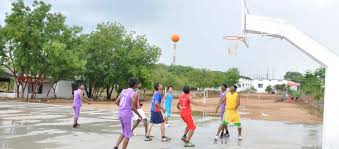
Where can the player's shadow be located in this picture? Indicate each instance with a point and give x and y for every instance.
(221, 141)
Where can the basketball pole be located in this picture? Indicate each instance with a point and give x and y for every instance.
(174, 52)
(203, 113)
(319, 53)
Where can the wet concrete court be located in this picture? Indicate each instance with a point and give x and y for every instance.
(38, 126)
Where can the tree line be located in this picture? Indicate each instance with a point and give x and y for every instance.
(37, 45)
(178, 76)
(312, 83)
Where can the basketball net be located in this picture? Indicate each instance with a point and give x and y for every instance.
(233, 44)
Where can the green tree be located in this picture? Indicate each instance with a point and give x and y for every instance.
(66, 58)
(114, 55)
(320, 73)
(269, 89)
(232, 76)
(312, 85)
(293, 76)
(280, 88)
(178, 76)
(29, 33)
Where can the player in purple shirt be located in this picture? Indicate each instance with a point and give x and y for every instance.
(221, 106)
(127, 102)
(77, 98)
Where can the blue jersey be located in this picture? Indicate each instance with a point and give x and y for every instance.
(156, 99)
(168, 101)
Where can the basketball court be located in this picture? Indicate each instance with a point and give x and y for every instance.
(38, 126)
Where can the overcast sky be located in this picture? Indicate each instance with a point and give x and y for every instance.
(203, 23)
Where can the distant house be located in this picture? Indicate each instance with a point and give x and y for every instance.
(63, 89)
(245, 84)
(260, 85)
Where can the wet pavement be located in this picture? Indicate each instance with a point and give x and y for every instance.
(42, 126)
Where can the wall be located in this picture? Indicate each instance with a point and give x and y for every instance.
(64, 89)
(244, 84)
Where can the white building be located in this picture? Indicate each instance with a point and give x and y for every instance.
(259, 85)
(244, 84)
(63, 89)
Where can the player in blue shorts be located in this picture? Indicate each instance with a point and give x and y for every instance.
(156, 115)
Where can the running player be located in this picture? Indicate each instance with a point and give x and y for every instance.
(127, 102)
(184, 105)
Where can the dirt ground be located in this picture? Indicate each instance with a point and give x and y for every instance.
(257, 107)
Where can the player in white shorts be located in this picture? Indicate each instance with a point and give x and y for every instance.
(141, 112)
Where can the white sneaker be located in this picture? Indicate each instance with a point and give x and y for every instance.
(239, 138)
(216, 138)
(134, 134)
(167, 125)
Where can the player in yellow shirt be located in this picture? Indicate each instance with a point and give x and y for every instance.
(231, 112)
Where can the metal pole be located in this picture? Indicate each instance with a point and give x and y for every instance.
(174, 52)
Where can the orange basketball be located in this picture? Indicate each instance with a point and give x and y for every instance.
(175, 37)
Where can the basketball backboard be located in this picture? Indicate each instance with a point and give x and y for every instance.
(244, 12)
(243, 34)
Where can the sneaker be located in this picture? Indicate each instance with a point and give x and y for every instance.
(216, 138)
(227, 135)
(189, 144)
(167, 125)
(148, 139)
(134, 134)
(239, 138)
(165, 139)
(74, 126)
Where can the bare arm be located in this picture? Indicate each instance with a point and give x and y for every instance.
(81, 95)
(178, 105)
(163, 100)
(135, 105)
(157, 104)
(194, 102)
(219, 103)
(117, 101)
(162, 108)
(82, 98)
(238, 103)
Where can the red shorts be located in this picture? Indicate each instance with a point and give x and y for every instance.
(188, 119)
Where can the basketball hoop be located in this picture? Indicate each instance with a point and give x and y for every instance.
(233, 44)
